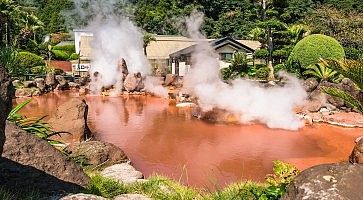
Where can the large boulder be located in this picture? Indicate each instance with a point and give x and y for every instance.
(6, 93)
(29, 84)
(124, 173)
(71, 117)
(62, 82)
(50, 79)
(133, 82)
(328, 181)
(27, 149)
(170, 79)
(130, 83)
(357, 154)
(40, 83)
(98, 153)
(310, 84)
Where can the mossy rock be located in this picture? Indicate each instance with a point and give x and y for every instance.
(310, 49)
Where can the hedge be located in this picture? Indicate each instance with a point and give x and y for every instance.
(61, 55)
(310, 49)
(68, 48)
(27, 60)
(262, 73)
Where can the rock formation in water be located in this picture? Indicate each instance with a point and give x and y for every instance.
(97, 153)
(6, 93)
(71, 117)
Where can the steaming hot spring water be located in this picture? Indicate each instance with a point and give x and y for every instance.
(163, 139)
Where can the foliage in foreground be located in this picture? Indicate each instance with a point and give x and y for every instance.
(35, 126)
(6, 194)
(159, 187)
(352, 69)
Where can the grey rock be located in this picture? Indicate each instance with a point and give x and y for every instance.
(24, 92)
(98, 153)
(16, 82)
(310, 84)
(73, 85)
(133, 82)
(6, 93)
(124, 173)
(40, 83)
(170, 79)
(132, 197)
(328, 181)
(50, 79)
(130, 83)
(29, 84)
(29, 150)
(82, 196)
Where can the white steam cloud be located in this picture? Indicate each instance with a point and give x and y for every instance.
(272, 106)
(115, 38)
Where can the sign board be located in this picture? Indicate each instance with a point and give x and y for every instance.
(81, 67)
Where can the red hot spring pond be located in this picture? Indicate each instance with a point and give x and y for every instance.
(160, 138)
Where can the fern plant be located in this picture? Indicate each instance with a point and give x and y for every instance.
(35, 126)
(352, 69)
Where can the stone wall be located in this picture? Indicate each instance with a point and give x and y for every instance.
(6, 90)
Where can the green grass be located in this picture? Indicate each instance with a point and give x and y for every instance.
(159, 187)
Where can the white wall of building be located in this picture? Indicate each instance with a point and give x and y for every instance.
(77, 37)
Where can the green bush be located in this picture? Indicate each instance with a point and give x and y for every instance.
(68, 48)
(40, 70)
(262, 73)
(74, 56)
(310, 49)
(60, 55)
(27, 60)
(261, 53)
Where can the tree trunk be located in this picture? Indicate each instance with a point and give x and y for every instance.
(271, 76)
(145, 52)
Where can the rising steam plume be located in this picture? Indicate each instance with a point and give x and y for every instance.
(115, 38)
(272, 106)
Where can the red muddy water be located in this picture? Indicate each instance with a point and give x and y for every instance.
(163, 139)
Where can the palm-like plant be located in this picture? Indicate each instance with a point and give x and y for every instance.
(14, 17)
(322, 72)
(34, 126)
(352, 69)
(238, 68)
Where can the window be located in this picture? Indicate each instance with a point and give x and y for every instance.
(226, 56)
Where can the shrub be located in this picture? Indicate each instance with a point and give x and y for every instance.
(27, 60)
(262, 73)
(261, 53)
(74, 56)
(39, 70)
(68, 48)
(8, 59)
(60, 55)
(310, 49)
